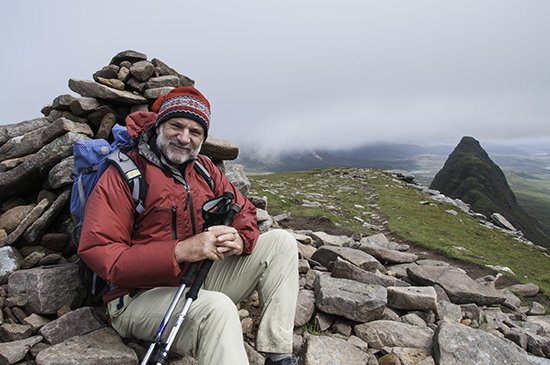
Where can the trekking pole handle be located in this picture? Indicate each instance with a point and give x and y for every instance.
(207, 264)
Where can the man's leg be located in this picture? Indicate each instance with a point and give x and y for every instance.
(211, 332)
(272, 269)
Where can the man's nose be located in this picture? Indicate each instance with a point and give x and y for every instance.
(184, 136)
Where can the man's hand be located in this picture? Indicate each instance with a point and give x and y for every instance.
(215, 243)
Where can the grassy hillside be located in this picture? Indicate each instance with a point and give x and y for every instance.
(354, 198)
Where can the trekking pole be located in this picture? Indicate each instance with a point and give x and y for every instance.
(216, 211)
(157, 338)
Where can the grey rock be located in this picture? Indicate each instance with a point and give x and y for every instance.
(67, 114)
(28, 176)
(345, 270)
(32, 259)
(163, 81)
(95, 90)
(13, 162)
(235, 173)
(305, 307)
(14, 332)
(414, 319)
(60, 175)
(112, 83)
(472, 312)
(412, 298)
(36, 321)
(10, 131)
(323, 321)
(16, 350)
(142, 70)
(502, 222)
(54, 241)
(33, 141)
(74, 323)
(219, 149)
(538, 345)
(353, 300)
(123, 74)
(400, 270)
(62, 102)
(84, 105)
(97, 115)
(538, 360)
(107, 72)
(324, 350)
(11, 219)
(460, 288)
(29, 219)
(163, 69)
(35, 231)
(322, 238)
(525, 290)
(382, 333)
(385, 255)
(536, 309)
(10, 261)
(459, 344)
(134, 84)
(158, 92)
(449, 312)
(327, 254)
(100, 347)
(129, 55)
(48, 289)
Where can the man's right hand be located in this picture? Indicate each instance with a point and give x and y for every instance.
(203, 245)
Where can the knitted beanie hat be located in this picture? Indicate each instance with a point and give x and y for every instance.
(186, 102)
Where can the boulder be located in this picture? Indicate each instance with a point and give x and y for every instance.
(383, 333)
(356, 301)
(48, 289)
(324, 350)
(74, 323)
(460, 288)
(101, 347)
(459, 344)
(345, 270)
(328, 253)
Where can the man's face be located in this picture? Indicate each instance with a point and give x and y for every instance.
(180, 140)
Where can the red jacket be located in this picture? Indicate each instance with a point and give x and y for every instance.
(145, 259)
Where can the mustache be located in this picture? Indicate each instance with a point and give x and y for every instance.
(186, 146)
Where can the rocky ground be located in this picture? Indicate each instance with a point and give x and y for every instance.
(474, 270)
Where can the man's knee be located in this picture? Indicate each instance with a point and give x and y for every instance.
(282, 240)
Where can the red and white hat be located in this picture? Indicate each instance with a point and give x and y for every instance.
(186, 102)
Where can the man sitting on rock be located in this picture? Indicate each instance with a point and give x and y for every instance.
(144, 256)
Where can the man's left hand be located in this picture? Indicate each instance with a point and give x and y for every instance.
(229, 242)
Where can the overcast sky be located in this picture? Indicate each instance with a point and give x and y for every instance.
(312, 74)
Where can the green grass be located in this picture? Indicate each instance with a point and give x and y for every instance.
(343, 195)
(532, 193)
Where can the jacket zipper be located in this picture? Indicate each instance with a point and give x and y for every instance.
(174, 222)
(190, 200)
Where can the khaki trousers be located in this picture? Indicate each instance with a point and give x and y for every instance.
(211, 332)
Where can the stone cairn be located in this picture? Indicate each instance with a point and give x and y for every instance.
(373, 302)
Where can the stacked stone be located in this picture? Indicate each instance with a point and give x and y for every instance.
(39, 280)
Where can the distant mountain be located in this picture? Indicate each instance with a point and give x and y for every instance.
(381, 156)
(470, 175)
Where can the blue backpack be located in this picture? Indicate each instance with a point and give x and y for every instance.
(91, 159)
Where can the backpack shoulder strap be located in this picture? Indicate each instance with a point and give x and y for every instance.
(133, 177)
(204, 173)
